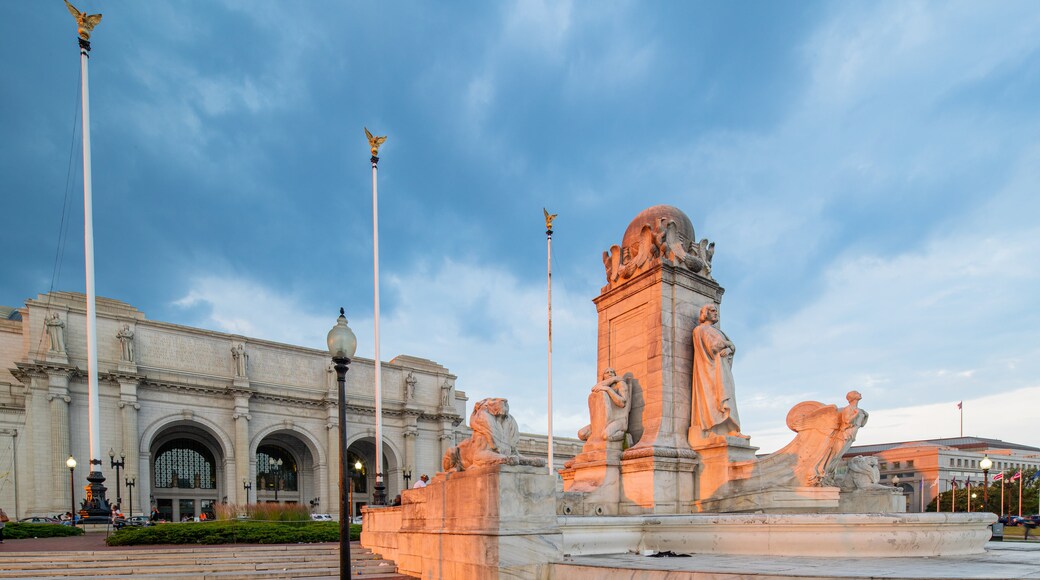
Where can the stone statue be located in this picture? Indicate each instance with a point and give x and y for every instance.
(659, 234)
(126, 340)
(609, 405)
(446, 394)
(714, 399)
(863, 473)
(238, 352)
(409, 387)
(494, 440)
(824, 434)
(56, 331)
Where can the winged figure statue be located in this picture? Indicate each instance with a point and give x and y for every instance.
(549, 219)
(374, 142)
(84, 22)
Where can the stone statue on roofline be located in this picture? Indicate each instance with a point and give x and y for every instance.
(495, 440)
(55, 331)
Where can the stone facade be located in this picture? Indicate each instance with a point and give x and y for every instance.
(195, 429)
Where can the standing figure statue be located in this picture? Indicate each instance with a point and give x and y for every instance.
(126, 340)
(56, 331)
(714, 400)
(238, 352)
(446, 394)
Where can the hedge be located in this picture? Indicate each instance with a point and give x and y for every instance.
(231, 532)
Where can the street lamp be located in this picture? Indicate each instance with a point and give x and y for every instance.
(985, 464)
(71, 463)
(276, 463)
(118, 465)
(342, 346)
(130, 483)
(247, 486)
(407, 477)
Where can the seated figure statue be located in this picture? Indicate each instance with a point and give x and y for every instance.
(494, 441)
(609, 406)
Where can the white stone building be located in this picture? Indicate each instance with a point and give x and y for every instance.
(198, 421)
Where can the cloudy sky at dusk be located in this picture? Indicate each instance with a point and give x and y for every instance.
(869, 172)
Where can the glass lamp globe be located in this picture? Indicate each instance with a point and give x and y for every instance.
(986, 463)
(71, 462)
(342, 342)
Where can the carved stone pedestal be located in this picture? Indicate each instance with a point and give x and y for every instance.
(656, 481)
(784, 500)
(721, 461)
(484, 523)
(592, 483)
(872, 501)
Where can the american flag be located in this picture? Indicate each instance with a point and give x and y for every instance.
(1017, 475)
(999, 476)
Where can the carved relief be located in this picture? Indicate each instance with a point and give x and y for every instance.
(667, 238)
(409, 386)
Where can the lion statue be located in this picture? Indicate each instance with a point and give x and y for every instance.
(494, 441)
(863, 473)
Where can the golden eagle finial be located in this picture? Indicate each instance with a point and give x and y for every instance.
(548, 219)
(84, 22)
(374, 142)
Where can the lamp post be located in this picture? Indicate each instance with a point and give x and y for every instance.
(985, 464)
(247, 486)
(276, 464)
(358, 466)
(71, 463)
(130, 483)
(407, 477)
(121, 464)
(342, 346)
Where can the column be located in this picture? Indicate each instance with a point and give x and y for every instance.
(131, 442)
(330, 496)
(59, 400)
(242, 470)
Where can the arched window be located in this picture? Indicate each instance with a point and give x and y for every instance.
(185, 463)
(275, 468)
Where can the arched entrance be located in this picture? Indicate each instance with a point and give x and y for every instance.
(361, 458)
(286, 470)
(187, 473)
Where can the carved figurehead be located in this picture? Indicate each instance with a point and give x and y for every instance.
(495, 439)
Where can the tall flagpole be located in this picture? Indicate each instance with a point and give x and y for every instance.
(379, 497)
(98, 508)
(548, 267)
(960, 407)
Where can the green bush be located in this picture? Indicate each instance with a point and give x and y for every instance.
(231, 532)
(15, 531)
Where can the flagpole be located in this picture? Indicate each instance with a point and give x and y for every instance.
(938, 498)
(1019, 493)
(960, 406)
(99, 510)
(379, 497)
(1002, 494)
(548, 269)
(969, 496)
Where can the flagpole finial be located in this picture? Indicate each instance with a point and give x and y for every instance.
(548, 220)
(85, 23)
(374, 142)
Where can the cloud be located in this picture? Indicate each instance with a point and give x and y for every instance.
(482, 322)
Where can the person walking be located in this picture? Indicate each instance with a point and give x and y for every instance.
(3, 522)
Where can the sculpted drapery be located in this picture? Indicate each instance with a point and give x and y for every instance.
(714, 400)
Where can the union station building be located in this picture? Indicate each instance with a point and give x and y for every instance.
(203, 417)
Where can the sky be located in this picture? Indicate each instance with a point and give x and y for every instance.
(867, 170)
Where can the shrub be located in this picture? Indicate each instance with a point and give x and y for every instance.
(264, 512)
(231, 532)
(16, 531)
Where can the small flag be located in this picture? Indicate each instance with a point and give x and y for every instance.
(999, 476)
(960, 405)
(936, 482)
(1017, 475)
(1036, 476)
(953, 482)
(968, 483)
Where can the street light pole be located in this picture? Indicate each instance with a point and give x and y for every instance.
(985, 464)
(277, 464)
(130, 483)
(117, 465)
(247, 486)
(342, 346)
(71, 463)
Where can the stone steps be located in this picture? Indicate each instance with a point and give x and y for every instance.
(224, 563)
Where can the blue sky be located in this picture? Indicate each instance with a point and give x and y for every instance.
(868, 171)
